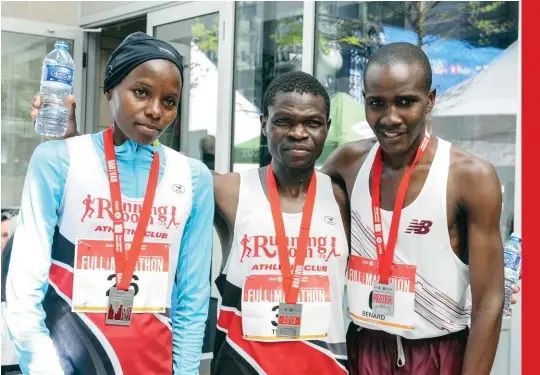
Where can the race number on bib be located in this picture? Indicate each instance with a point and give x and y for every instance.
(374, 303)
(263, 309)
(94, 275)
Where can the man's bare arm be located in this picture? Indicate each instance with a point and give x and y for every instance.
(345, 161)
(333, 164)
(226, 191)
(481, 199)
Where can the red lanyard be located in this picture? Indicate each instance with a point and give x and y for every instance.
(126, 266)
(291, 280)
(385, 254)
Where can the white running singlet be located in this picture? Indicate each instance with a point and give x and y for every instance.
(436, 293)
(240, 349)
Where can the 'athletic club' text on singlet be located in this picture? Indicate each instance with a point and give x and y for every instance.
(145, 346)
(246, 342)
(430, 280)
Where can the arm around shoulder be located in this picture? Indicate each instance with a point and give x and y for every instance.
(226, 189)
(345, 158)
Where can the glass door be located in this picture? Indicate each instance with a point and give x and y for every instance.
(195, 30)
(202, 33)
(24, 45)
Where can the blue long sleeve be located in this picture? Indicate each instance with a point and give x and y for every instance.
(41, 206)
(28, 275)
(192, 289)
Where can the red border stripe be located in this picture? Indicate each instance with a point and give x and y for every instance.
(531, 201)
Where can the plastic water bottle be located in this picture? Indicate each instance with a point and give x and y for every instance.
(56, 85)
(512, 268)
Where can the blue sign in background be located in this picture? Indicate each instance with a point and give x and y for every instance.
(452, 61)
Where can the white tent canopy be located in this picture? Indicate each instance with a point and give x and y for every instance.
(493, 91)
(203, 101)
(363, 130)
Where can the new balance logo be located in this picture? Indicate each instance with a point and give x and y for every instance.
(419, 226)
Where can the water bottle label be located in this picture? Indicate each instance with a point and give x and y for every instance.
(512, 260)
(57, 73)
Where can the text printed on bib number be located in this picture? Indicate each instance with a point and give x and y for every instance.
(373, 303)
(94, 277)
(266, 316)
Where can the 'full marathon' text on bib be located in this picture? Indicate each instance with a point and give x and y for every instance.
(362, 275)
(94, 275)
(261, 296)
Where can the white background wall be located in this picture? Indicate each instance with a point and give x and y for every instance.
(62, 12)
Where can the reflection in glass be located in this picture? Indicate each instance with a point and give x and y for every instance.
(22, 57)
(196, 39)
(268, 43)
(472, 47)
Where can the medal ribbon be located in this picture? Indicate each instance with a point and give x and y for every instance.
(291, 280)
(385, 253)
(125, 267)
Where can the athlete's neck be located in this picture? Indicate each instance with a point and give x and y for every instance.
(401, 160)
(292, 181)
(119, 138)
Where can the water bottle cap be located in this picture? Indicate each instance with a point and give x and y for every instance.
(60, 44)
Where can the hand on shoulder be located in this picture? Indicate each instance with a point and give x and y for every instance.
(346, 157)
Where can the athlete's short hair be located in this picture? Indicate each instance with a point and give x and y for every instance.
(402, 53)
(296, 81)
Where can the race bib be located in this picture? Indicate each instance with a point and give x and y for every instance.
(94, 275)
(382, 305)
(262, 296)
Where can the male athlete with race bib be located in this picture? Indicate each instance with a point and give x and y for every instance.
(109, 270)
(424, 225)
(282, 283)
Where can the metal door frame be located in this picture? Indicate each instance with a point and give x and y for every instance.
(53, 30)
(225, 10)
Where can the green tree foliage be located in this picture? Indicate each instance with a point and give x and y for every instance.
(466, 18)
(205, 38)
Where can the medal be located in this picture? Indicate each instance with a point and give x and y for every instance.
(120, 296)
(120, 307)
(290, 313)
(289, 319)
(383, 299)
(383, 291)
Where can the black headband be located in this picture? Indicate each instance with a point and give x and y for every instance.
(136, 49)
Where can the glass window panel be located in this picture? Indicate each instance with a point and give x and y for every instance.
(472, 47)
(268, 43)
(22, 57)
(196, 39)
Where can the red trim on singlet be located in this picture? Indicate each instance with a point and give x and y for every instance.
(277, 358)
(136, 349)
(143, 348)
(63, 279)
